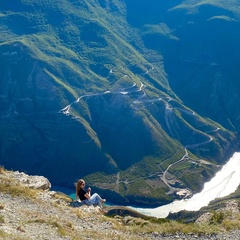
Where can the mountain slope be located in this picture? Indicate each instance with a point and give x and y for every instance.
(199, 42)
(84, 93)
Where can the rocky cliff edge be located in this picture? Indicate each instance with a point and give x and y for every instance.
(29, 210)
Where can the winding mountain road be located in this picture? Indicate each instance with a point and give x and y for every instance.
(164, 179)
(143, 101)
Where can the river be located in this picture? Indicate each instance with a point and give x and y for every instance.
(225, 182)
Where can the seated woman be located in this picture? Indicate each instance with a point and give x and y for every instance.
(86, 197)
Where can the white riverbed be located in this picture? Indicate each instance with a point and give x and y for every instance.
(225, 182)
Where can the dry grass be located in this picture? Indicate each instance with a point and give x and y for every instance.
(174, 227)
(231, 222)
(1, 219)
(10, 186)
(3, 235)
(62, 197)
(221, 221)
(138, 227)
(2, 170)
(64, 228)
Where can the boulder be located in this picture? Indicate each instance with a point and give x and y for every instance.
(37, 182)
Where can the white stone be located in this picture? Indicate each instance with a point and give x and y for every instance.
(37, 182)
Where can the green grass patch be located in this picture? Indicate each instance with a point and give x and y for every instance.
(217, 217)
(61, 83)
(2, 219)
(4, 235)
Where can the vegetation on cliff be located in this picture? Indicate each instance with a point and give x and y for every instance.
(92, 89)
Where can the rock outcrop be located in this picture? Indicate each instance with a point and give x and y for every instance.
(36, 182)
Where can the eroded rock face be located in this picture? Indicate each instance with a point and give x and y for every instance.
(37, 182)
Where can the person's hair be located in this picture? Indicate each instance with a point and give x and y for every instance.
(79, 184)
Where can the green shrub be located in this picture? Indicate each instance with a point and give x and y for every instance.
(217, 217)
(1, 219)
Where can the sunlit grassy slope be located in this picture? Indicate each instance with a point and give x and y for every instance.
(84, 94)
(231, 5)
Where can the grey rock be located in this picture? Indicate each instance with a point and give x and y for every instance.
(36, 182)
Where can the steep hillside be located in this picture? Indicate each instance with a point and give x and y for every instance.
(84, 92)
(199, 42)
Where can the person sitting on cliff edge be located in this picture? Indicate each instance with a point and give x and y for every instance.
(86, 197)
